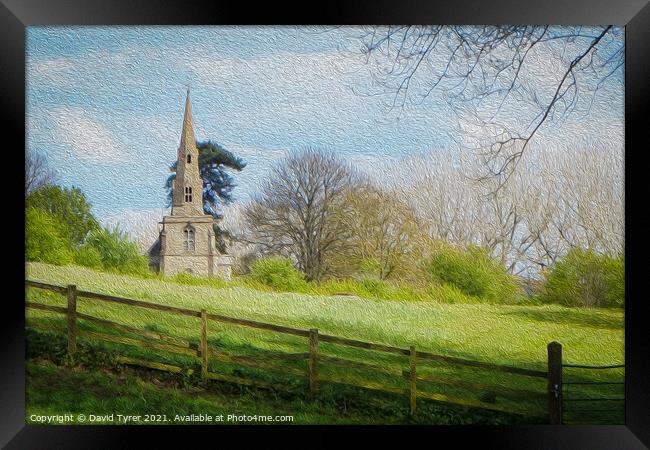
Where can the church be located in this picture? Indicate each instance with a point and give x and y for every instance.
(187, 243)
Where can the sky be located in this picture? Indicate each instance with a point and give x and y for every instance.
(105, 105)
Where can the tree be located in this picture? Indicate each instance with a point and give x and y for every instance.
(37, 172)
(45, 238)
(556, 201)
(382, 231)
(70, 206)
(297, 214)
(585, 278)
(504, 82)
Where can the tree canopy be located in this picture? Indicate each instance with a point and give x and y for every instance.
(297, 212)
(69, 206)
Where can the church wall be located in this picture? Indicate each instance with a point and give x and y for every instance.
(198, 265)
(178, 260)
(223, 266)
(175, 238)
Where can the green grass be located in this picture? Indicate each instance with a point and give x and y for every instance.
(55, 390)
(508, 334)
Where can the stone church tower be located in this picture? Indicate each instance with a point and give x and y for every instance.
(187, 240)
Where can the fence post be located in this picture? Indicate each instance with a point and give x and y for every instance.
(204, 344)
(313, 361)
(413, 394)
(555, 383)
(72, 319)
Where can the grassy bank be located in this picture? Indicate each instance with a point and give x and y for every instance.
(55, 390)
(514, 335)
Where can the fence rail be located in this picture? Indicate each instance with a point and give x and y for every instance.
(589, 412)
(314, 357)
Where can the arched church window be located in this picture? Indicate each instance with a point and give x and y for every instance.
(189, 158)
(188, 194)
(188, 241)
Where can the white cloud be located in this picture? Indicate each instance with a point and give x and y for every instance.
(88, 139)
(54, 71)
(248, 151)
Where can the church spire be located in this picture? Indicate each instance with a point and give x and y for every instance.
(187, 135)
(188, 185)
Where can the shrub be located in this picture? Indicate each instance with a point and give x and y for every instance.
(54, 346)
(375, 287)
(585, 278)
(279, 273)
(448, 293)
(117, 251)
(46, 238)
(394, 291)
(473, 272)
(88, 256)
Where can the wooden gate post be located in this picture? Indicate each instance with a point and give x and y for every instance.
(204, 344)
(555, 383)
(413, 393)
(313, 361)
(72, 319)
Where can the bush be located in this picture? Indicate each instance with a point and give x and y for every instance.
(448, 293)
(117, 251)
(394, 291)
(89, 257)
(46, 238)
(278, 273)
(584, 278)
(473, 272)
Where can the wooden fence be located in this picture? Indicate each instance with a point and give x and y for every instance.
(416, 359)
(593, 413)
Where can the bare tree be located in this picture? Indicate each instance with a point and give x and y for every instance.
(490, 75)
(37, 172)
(297, 213)
(558, 199)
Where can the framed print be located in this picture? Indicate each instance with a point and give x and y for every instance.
(410, 216)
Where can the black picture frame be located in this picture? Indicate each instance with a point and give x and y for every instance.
(16, 15)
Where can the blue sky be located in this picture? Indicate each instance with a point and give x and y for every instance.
(105, 105)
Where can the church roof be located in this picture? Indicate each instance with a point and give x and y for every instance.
(154, 250)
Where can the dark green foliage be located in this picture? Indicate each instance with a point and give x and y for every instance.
(69, 206)
(117, 251)
(42, 343)
(54, 346)
(488, 397)
(46, 238)
(585, 278)
(473, 272)
(278, 273)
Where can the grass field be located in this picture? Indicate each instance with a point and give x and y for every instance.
(52, 390)
(513, 335)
